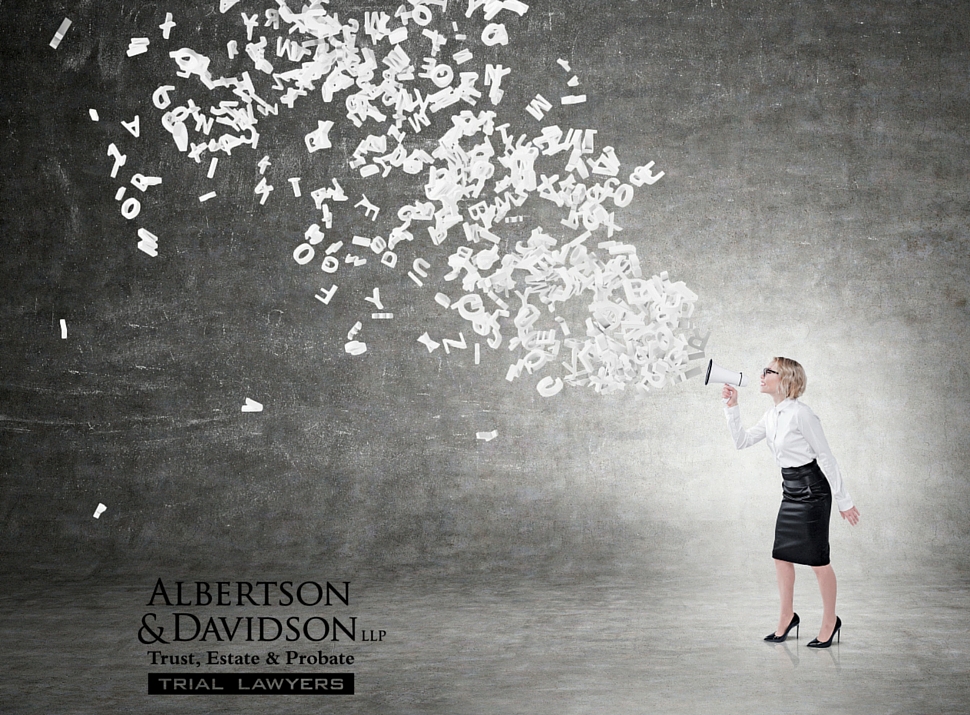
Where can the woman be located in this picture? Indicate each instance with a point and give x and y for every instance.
(810, 479)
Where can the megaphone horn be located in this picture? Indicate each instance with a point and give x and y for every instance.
(716, 373)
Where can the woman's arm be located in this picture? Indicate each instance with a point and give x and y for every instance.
(811, 429)
(742, 437)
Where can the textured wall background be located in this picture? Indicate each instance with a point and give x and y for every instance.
(815, 199)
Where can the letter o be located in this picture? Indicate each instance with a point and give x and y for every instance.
(535, 359)
(303, 254)
(421, 15)
(306, 628)
(442, 75)
(299, 593)
(330, 265)
(548, 387)
(131, 208)
(180, 114)
(623, 195)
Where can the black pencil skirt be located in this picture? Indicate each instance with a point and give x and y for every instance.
(802, 528)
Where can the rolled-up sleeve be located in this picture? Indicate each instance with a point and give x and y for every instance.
(811, 429)
(743, 437)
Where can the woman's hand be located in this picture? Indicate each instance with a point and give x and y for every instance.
(852, 515)
(730, 395)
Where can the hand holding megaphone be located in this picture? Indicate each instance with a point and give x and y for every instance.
(716, 373)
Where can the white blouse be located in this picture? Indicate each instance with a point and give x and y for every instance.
(795, 438)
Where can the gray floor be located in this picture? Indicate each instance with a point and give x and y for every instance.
(636, 643)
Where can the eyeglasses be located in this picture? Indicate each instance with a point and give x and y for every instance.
(768, 371)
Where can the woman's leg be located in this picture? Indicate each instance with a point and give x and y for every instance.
(828, 587)
(785, 571)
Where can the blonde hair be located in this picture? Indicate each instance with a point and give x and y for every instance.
(792, 377)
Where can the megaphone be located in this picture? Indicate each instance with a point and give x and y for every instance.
(716, 373)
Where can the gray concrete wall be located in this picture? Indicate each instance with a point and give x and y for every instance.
(815, 199)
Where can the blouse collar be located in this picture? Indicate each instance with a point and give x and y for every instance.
(784, 405)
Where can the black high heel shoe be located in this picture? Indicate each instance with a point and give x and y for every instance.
(772, 638)
(816, 643)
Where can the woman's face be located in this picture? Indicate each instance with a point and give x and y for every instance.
(770, 379)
